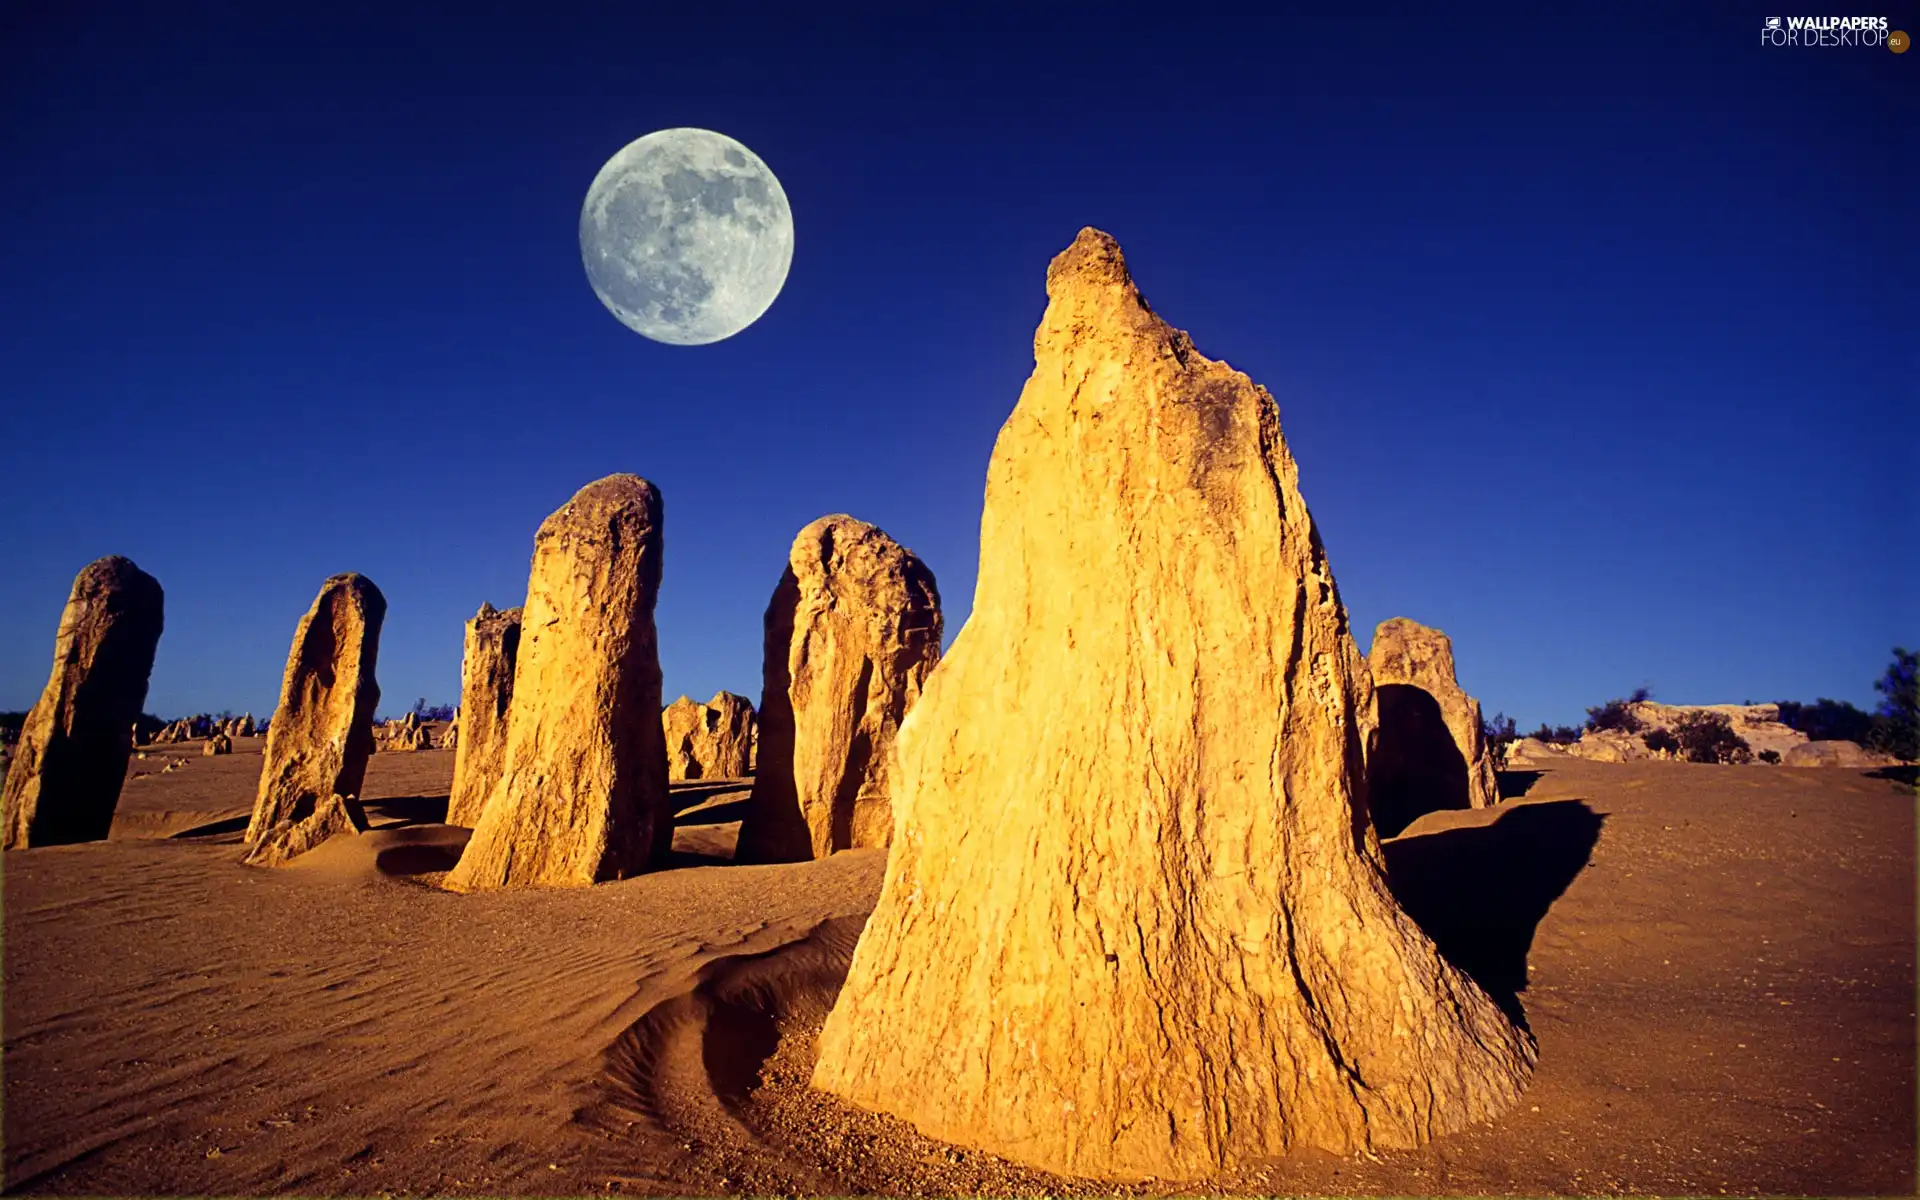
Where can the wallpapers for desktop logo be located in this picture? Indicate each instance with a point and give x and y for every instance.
(1831, 31)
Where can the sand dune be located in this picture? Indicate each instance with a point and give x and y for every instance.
(1718, 963)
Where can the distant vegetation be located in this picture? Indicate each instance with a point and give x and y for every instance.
(11, 723)
(1556, 733)
(1892, 728)
(1617, 715)
(1499, 733)
(1708, 737)
(422, 711)
(1661, 741)
(1769, 756)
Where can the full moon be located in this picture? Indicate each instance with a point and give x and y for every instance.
(687, 236)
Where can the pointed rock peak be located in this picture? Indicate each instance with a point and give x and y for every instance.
(1091, 298)
(1094, 259)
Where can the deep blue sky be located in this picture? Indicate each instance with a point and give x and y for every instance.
(1593, 332)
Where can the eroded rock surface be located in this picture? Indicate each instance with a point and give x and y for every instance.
(1430, 752)
(486, 693)
(322, 732)
(582, 794)
(335, 816)
(1135, 920)
(852, 633)
(709, 741)
(63, 783)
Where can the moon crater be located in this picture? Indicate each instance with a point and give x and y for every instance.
(686, 236)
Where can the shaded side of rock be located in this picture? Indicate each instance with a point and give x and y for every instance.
(582, 794)
(1430, 752)
(852, 633)
(65, 773)
(322, 732)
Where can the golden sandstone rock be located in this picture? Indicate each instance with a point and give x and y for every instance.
(582, 795)
(335, 816)
(709, 741)
(486, 691)
(64, 781)
(1430, 752)
(216, 745)
(1135, 921)
(852, 633)
(322, 733)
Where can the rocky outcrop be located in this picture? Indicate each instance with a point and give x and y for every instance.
(404, 734)
(64, 780)
(709, 741)
(583, 786)
(852, 633)
(1835, 754)
(1758, 725)
(1430, 752)
(486, 693)
(335, 816)
(1611, 747)
(1529, 752)
(322, 733)
(218, 744)
(1135, 920)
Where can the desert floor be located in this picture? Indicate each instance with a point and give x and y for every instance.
(1718, 963)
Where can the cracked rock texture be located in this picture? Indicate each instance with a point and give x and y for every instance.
(1135, 921)
(582, 795)
(1431, 752)
(852, 633)
(486, 690)
(67, 768)
(321, 734)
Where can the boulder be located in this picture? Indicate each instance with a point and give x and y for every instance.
(71, 757)
(219, 743)
(450, 736)
(582, 795)
(244, 727)
(486, 692)
(336, 816)
(1835, 754)
(1611, 747)
(322, 733)
(852, 633)
(709, 741)
(1135, 920)
(1430, 752)
(1532, 752)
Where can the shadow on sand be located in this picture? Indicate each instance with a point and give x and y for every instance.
(1480, 892)
(1906, 778)
(1515, 784)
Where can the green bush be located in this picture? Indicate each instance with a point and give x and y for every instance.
(1661, 741)
(1770, 757)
